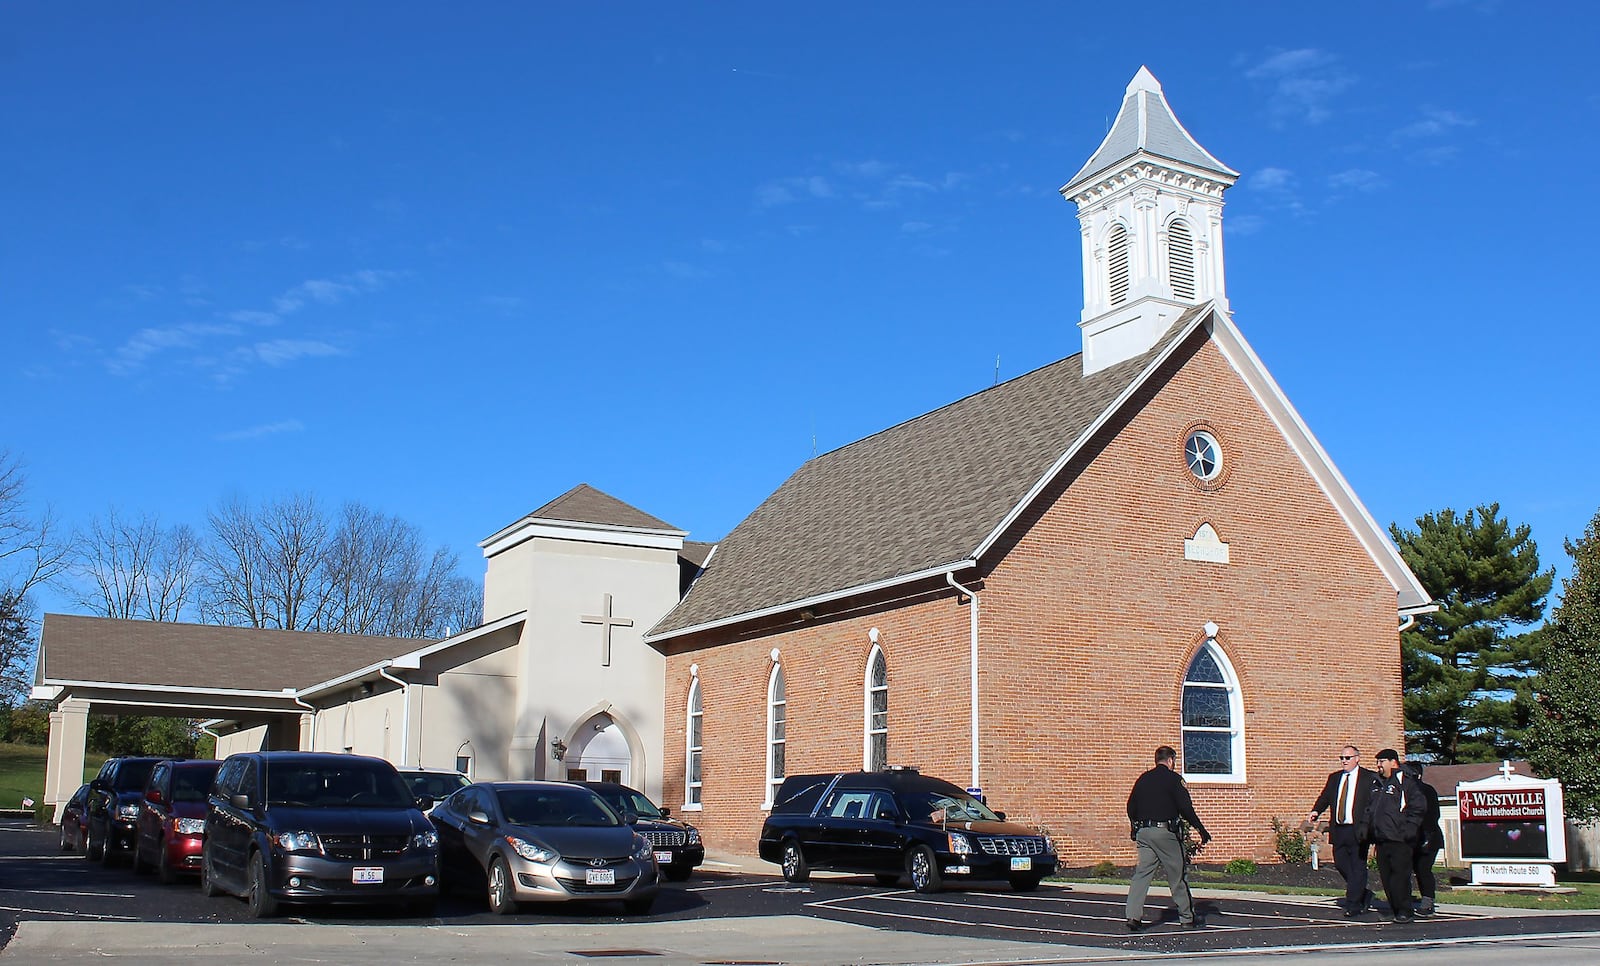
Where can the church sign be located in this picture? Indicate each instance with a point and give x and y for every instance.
(1513, 829)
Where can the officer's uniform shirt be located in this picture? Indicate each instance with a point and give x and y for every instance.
(1160, 796)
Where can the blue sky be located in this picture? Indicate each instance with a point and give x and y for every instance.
(451, 260)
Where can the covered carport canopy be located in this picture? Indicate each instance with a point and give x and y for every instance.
(187, 671)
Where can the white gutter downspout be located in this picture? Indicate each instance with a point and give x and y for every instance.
(296, 699)
(1410, 621)
(951, 577)
(405, 714)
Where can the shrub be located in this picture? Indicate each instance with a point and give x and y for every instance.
(1290, 843)
(1104, 869)
(1241, 867)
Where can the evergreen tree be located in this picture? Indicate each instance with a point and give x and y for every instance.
(1468, 671)
(1566, 726)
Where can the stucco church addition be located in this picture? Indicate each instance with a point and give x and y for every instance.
(1025, 591)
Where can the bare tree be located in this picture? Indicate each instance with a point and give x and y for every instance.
(262, 568)
(30, 555)
(135, 569)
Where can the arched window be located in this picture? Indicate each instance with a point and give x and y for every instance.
(875, 753)
(1180, 260)
(1213, 718)
(777, 729)
(691, 759)
(1117, 264)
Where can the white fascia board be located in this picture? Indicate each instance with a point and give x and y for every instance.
(412, 660)
(181, 705)
(162, 688)
(44, 692)
(816, 601)
(1412, 597)
(1088, 434)
(530, 527)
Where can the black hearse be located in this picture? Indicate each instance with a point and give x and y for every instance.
(317, 827)
(899, 822)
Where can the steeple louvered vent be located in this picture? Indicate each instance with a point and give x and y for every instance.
(1180, 260)
(1117, 262)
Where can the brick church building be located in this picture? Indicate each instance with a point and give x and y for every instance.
(1024, 592)
(1030, 589)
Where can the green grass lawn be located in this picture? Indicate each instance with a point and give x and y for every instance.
(22, 773)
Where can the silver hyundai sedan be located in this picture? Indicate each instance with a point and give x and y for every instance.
(543, 842)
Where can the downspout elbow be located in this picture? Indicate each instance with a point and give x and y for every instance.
(309, 707)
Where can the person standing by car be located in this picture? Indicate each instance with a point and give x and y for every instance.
(1425, 852)
(1395, 816)
(1158, 802)
(1345, 797)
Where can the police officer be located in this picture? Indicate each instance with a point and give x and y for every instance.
(1157, 802)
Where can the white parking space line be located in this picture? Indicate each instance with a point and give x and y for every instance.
(737, 885)
(93, 895)
(67, 915)
(960, 922)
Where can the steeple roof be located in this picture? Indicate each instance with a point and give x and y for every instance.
(1146, 124)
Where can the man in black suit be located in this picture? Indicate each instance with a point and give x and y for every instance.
(1345, 798)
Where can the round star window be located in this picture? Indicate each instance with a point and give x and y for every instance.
(1203, 455)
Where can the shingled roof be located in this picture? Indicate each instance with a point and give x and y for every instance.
(917, 496)
(1146, 124)
(100, 649)
(585, 504)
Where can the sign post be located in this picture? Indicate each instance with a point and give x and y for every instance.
(1513, 829)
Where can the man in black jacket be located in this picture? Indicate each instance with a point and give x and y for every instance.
(1155, 806)
(1395, 815)
(1430, 840)
(1345, 798)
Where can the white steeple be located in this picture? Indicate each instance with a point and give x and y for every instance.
(1150, 207)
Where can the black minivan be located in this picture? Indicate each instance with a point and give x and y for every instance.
(317, 827)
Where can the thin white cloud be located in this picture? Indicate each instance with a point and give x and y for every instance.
(1433, 123)
(1272, 179)
(914, 227)
(257, 432)
(252, 317)
(1357, 179)
(150, 342)
(330, 291)
(1303, 82)
(279, 352)
(680, 269)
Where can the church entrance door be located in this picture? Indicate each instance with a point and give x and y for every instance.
(604, 757)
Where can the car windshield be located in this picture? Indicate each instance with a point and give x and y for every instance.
(627, 800)
(437, 785)
(555, 806)
(334, 785)
(942, 807)
(191, 784)
(132, 775)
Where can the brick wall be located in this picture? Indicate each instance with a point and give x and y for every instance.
(1088, 620)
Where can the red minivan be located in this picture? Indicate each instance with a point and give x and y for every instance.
(172, 821)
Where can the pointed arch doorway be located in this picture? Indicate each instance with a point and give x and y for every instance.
(600, 753)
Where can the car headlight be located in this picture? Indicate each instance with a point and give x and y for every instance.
(129, 812)
(188, 826)
(694, 836)
(1049, 846)
(425, 840)
(297, 841)
(642, 849)
(960, 844)
(530, 850)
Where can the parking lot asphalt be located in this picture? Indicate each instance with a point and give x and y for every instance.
(59, 907)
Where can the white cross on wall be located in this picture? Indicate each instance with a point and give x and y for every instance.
(606, 622)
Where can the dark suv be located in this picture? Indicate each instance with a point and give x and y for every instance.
(677, 843)
(899, 822)
(115, 797)
(317, 827)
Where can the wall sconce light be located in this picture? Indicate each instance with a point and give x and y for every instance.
(364, 689)
(808, 614)
(599, 726)
(558, 749)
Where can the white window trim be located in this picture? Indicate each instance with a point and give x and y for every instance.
(1235, 714)
(773, 781)
(689, 749)
(873, 656)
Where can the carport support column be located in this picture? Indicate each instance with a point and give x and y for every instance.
(308, 733)
(69, 734)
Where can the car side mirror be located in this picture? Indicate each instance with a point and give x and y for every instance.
(630, 818)
(1001, 815)
(666, 812)
(478, 818)
(424, 802)
(241, 800)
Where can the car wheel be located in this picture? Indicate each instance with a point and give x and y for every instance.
(208, 881)
(502, 895)
(638, 907)
(262, 904)
(108, 855)
(1025, 883)
(675, 874)
(795, 868)
(66, 846)
(887, 878)
(93, 850)
(923, 869)
(164, 870)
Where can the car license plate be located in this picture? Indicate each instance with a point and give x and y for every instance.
(664, 858)
(1021, 863)
(600, 876)
(367, 874)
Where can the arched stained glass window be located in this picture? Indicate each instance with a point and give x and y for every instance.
(1213, 718)
(777, 731)
(692, 755)
(876, 749)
